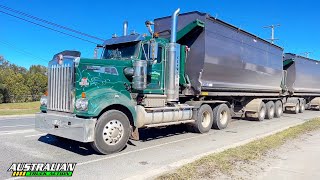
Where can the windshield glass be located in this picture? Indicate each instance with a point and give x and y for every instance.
(121, 51)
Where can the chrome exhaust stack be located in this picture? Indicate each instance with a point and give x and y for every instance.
(173, 63)
(125, 28)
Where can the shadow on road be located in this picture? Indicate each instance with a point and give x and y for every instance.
(67, 144)
(85, 149)
(158, 133)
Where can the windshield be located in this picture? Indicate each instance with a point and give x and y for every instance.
(121, 51)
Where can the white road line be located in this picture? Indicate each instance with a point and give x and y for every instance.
(17, 126)
(3, 133)
(13, 178)
(18, 117)
(35, 135)
(138, 150)
(151, 174)
(172, 142)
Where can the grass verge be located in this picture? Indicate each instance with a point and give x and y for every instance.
(223, 162)
(19, 108)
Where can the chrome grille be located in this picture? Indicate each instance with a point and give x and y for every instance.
(60, 87)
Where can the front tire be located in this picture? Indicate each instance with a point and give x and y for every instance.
(112, 132)
(221, 116)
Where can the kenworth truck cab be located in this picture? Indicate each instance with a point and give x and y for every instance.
(135, 84)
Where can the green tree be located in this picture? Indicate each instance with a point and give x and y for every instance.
(37, 83)
(17, 84)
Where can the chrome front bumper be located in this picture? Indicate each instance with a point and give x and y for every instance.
(66, 125)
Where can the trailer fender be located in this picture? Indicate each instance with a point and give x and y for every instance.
(315, 103)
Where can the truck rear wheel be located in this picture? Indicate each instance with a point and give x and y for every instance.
(296, 108)
(112, 132)
(221, 116)
(302, 106)
(262, 112)
(270, 109)
(203, 119)
(278, 109)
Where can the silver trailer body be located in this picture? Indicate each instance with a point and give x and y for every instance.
(302, 75)
(224, 58)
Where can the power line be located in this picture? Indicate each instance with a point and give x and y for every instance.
(51, 23)
(48, 28)
(22, 51)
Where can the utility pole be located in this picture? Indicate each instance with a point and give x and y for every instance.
(272, 27)
(307, 54)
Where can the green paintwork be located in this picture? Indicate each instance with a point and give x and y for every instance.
(288, 61)
(184, 31)
(183, 57)
(155, 71)
(104, 89)
(43, 108)
(107, 85)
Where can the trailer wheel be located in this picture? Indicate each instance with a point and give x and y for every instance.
(302, 106)
(278, 109)
(221, 116)
(270, 109)
(296, 108)
(262, 111)
(203, 119)
(112, 132)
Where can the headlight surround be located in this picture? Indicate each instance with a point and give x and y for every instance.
(44, 100)
(82, 104)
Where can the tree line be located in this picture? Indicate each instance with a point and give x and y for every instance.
(18, 84)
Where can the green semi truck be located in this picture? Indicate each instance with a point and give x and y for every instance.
(199, 71)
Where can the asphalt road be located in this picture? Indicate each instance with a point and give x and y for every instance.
(159, 148)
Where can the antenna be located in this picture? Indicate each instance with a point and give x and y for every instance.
(272, 27)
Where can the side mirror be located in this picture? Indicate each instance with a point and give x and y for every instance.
(153, 50)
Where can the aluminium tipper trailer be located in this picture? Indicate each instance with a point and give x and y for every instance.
(301, 79)
(225, 60)
(228, 64)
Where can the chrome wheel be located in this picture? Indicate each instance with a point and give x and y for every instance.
(262, 113)
(206, 119)
(297, 108)
(113, 132)
(224, 117)
(280, 110)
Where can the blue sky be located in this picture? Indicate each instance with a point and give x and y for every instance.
(25, 44)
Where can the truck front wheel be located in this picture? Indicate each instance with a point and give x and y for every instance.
(112, 132)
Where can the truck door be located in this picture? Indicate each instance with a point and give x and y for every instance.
(155, 71)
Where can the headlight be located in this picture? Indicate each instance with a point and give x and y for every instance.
(82, 104)
(43, 100)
